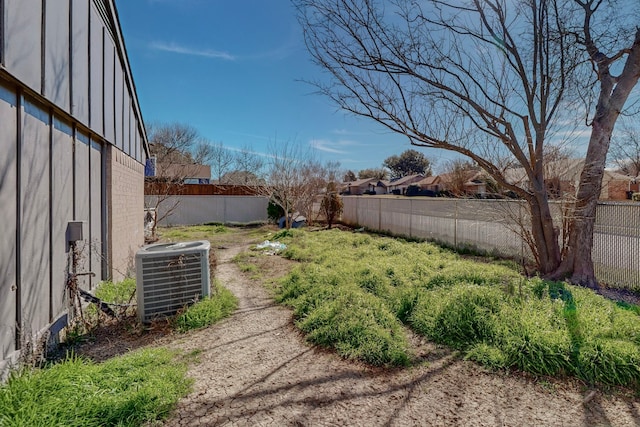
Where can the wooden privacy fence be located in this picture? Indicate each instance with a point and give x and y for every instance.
(491, 225)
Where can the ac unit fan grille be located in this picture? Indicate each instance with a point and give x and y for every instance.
(171, 281)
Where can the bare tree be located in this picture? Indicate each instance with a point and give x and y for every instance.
(315, 178)
(295, 178)
(457, 173)
(248, 167)
(625, 150)
(180, 153)
(615, 63)
(487, 79)
(221, 161)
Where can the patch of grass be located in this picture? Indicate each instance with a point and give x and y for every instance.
(246, 262)
(220, 304)
(194, 232)
(351, 320)
(627, 306)
(352, 289)
(130, 390)
(122, 292)
(118, 293)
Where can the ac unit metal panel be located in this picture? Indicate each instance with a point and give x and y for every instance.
(170, 276)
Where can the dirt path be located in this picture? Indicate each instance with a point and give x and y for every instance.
(256, 369)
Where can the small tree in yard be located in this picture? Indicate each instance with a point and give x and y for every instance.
(294, 178)
(491, 80)
(459, 172)
(179, 151)
(331, 205)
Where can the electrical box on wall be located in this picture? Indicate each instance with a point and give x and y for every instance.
(74, 231)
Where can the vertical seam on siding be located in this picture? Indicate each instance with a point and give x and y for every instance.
(19, 139)
(50, 215)
(71, 106)
(43, 31)
(2, 30)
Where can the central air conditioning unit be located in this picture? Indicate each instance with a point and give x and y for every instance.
(170, 276)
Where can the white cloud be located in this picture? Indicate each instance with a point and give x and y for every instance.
(336, 147)
(183, 50)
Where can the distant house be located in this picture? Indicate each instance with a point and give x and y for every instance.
(463, 183)
(357, 187)
(379, 187)
(399, 186)
(186, 173)
(563, 178)
(430, 183)
(616, 186)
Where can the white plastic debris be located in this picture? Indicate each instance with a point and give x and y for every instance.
(271, 247)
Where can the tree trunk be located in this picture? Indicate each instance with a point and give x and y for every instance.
(577, 266)
(545, 235)
(614, 91)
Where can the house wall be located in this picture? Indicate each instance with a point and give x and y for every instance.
(126, 179)
(617, 190)
(66, 100)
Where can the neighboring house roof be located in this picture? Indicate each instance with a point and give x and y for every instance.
(430, 180)
(617, 176)
(468, 175)
(565, 170)
(358, 182)
(406, 180)
(185, 171)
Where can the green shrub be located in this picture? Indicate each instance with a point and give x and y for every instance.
(468, 316)
(274, 212)
(534, 337)
(608, 361)
(488, 355)
(359, 327)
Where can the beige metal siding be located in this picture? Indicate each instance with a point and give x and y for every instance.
(8, 183)
(80, 60)
(56, 54)
(62, 211)
(35, 220)
(23, 34)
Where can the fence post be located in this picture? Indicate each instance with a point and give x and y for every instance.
(379, 214)
(224, 209)
(455, 225)
(410, 217)
(521, 237)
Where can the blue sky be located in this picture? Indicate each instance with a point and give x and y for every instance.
(233, 70)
